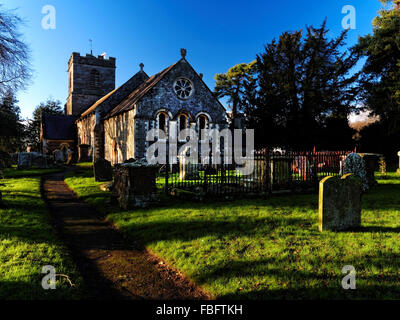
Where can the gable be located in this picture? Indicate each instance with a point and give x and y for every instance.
(113, 98)
(158, 93)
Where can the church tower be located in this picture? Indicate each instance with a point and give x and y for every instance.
(90, 79)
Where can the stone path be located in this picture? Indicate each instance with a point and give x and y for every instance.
(111, 267)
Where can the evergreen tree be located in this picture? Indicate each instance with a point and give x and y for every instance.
(305, 82)
(238, 84)
(12, 129)
(380, 82)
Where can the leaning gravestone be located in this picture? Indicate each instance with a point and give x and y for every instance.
(355, 164)
(102, 170)
(340, 203)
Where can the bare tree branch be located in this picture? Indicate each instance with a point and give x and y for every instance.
(14, 53)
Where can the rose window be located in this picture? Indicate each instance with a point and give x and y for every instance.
(183, 88)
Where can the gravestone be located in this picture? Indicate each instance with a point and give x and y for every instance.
(59, 156)
(354, 163)
(281, 171)
(340, 203)
(102, 170)
(39, 160)
(135, 184)
(24, 160)
(187, 170)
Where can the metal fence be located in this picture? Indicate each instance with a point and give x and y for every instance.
(273, 171)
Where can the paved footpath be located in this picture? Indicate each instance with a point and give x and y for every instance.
(111, 267)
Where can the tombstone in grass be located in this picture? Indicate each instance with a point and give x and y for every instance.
(340, 203)
(59, 156)
(39, 160)
(24, 160)
(187, 169)
(135, 184)
(355, 164)
(102, 170)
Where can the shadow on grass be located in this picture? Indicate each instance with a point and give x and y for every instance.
(148, 232)
(32, 290)
(301, 284)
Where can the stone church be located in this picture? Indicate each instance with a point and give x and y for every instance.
(102, 121)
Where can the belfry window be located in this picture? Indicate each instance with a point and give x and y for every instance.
(94, 81)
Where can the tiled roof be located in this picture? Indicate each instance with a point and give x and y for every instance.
(120, 93)
(58, 127)
(129, 103)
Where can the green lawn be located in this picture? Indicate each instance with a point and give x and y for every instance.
(14, 173)
(28, 242)
(269, 249)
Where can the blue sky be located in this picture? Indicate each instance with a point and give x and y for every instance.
(216, 34)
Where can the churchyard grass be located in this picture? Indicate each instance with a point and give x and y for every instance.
(269, 248)
(14, 173)
(28, 242)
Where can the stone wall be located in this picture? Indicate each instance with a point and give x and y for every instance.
(119, 133)
(85, 128)
(162, 96)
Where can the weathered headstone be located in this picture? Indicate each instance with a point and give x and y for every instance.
(59, 156)
(39, 160)
(135, 184)
(187, 170)
(354, 163)
(340, 203)
(281, 170)
(102, 170)
(24, 160)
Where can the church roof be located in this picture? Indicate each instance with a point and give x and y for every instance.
(58, 127)
(129, 103)
(120, 93)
